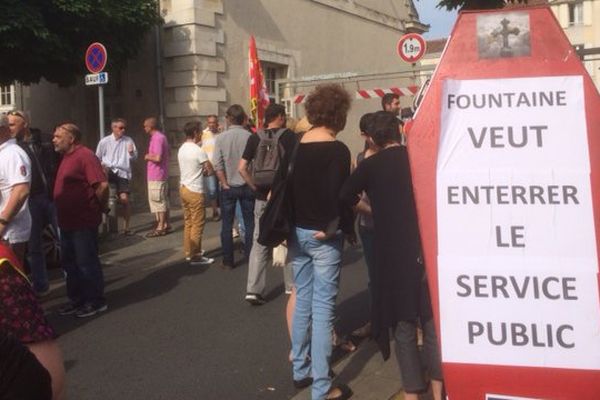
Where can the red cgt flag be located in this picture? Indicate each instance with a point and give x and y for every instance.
(259, 95)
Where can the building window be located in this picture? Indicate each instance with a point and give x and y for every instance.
(271, 73)
(576, 14)
(7, 96)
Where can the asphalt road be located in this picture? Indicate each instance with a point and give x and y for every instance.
(174, 331)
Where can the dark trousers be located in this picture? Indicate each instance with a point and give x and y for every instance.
(229, 198)
(412, 364)
(79, 257)
(43, 213)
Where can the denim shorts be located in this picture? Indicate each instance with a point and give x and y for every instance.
(211, 187)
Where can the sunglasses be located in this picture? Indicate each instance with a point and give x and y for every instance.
(16, 114)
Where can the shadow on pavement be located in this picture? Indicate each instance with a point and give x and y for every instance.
(114, 242)
(275, 292)
(153, 285)
(353, 312)
(69, 364)
(355, 367)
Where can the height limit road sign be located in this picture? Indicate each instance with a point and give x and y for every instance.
(411, 47)
(96, 57)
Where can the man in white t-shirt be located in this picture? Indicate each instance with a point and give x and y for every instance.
(15, 177)
(193, 166)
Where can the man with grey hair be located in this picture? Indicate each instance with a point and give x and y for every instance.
(116, 152)
(15, 177)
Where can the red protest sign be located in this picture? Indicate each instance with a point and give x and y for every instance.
(505, 158)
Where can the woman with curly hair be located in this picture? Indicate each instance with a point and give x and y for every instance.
(322, 165)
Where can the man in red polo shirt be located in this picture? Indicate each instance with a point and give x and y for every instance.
(80, 195)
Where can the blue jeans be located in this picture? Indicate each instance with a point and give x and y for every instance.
(211, 187)
(79, 256)
(42, 213)
(316, 266)
(229, 199)
(239, 216)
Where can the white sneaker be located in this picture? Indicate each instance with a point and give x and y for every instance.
(188, 259)
(255, 299)
(201, 260)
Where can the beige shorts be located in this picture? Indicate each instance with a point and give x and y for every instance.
(158, 196)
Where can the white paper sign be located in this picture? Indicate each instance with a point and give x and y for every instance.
(517, 257)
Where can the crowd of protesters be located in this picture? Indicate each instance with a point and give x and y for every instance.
(55, 180)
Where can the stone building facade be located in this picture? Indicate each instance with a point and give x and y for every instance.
(196, 64)
(580, 20)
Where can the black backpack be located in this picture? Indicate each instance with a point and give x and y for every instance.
(269, 153)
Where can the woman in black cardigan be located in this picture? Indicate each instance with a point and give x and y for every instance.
(400, 297)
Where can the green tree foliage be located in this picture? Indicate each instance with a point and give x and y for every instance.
(475, 4)
(48, 38)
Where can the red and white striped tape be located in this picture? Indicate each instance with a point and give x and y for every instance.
(299, 98)
(373, 93)
(370, 93)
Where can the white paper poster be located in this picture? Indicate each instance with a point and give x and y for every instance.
(517, 257)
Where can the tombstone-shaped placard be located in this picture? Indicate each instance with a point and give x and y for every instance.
(505, 158)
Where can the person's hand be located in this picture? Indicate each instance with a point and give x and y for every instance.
(130, 147)
(146, 157)
(320, 235)
(351, 238)
(225, 187)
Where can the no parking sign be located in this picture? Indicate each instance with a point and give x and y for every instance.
(96, 57)
(505, 157)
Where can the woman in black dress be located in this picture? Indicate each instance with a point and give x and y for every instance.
(400, 297)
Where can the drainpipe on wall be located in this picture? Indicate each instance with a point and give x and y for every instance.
(159, 75)
(19, 96)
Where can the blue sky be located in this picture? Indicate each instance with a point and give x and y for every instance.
(440, 21)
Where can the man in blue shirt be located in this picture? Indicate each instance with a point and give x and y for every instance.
(116, 152)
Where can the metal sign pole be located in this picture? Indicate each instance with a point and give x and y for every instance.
(106, 225)
(101, 110)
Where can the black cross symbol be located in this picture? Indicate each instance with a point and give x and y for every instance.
(505, 32)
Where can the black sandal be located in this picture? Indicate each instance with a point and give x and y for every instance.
(345, 393)
(156, 233)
